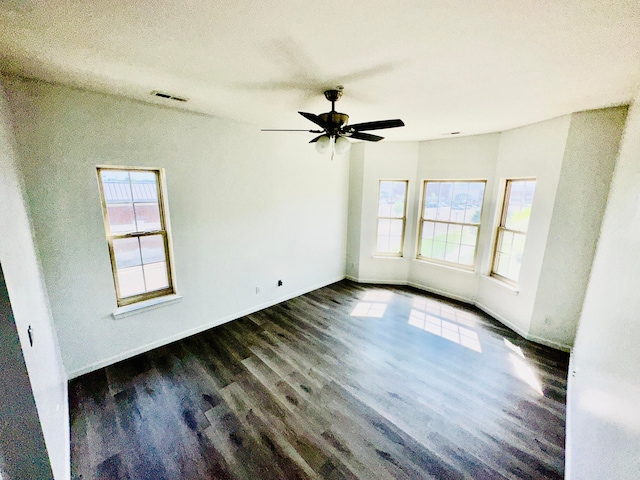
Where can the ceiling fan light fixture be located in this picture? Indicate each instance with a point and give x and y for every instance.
(342, 145)
(323, 144)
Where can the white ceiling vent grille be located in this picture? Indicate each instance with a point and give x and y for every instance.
(168, 96)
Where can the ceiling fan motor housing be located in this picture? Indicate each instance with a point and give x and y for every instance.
(335, 120)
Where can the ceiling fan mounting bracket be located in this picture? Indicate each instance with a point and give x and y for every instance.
(333, 95)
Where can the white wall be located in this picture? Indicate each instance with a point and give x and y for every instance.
(532, 151)
(590, 155)
(603, 419)
(572, 158)
(385, 161)
(356, 178)
(465, 158)
(246, 208)
(29, 302)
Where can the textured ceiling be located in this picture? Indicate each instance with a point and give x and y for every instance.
(472, 66)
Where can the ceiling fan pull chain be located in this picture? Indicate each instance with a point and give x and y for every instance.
(333, 146)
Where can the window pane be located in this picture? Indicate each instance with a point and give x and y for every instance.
(127, 252)
(440, 232)
(391, 204)
(396, 228)
(152, 247)
(384, 226)
(155, 275)
(130, 281)
(383, 244)
(398, 198)
(117, 196)
(518, 245)
(509, 254)
(395, 244)
(469, 235)
(426, 247)
(513, 271)
(505, 240)
(439, 249)
(426, 241)
(147, 217)
(428, 229)
(516, 214)
(460, 196)
(444, 202)
(385, 201)
(452, 253)
(144, 186)
(121, 218)
(431, 199)
(456, 208)
(389, 235)
(116, 186)
(501, 265)
(467, 254)
(519, 204)
(454, 233)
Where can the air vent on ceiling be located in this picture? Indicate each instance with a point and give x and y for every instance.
(168, 96)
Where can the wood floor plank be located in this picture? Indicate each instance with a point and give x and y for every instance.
(349, 381)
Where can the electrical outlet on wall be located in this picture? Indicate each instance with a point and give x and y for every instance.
(257, 290)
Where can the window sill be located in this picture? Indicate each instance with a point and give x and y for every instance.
(502, 283)
(387, 257)
(141, 307)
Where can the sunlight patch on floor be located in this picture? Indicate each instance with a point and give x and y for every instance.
(369, 309)
(521, 367)
(447, 330)
(526, 373)
(377, 296)
(445, 311)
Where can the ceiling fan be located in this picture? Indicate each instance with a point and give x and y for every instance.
(335, 130)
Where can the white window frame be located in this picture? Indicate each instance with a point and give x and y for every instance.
(403, 218)
(422, 220)
(162, 231)
(501, 228)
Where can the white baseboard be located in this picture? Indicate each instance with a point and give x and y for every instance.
(193, 331)
(378, 282)
(522, 333)
(469, 301)
(501, 319)
(442, 293)
(214, 323)
(549, 343)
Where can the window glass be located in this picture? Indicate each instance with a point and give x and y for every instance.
(512, 231)
(138, 240)
(450, 221)
(392, 205)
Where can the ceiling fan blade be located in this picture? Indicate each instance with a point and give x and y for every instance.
(380, 124)
(365, 136)
(315, 119)
(316, 139)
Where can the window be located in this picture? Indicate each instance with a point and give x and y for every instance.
(135, 223)
(392, 208)
(512, 232)
(450, 221)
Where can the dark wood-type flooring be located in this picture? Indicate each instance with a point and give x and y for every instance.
(349, 381)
